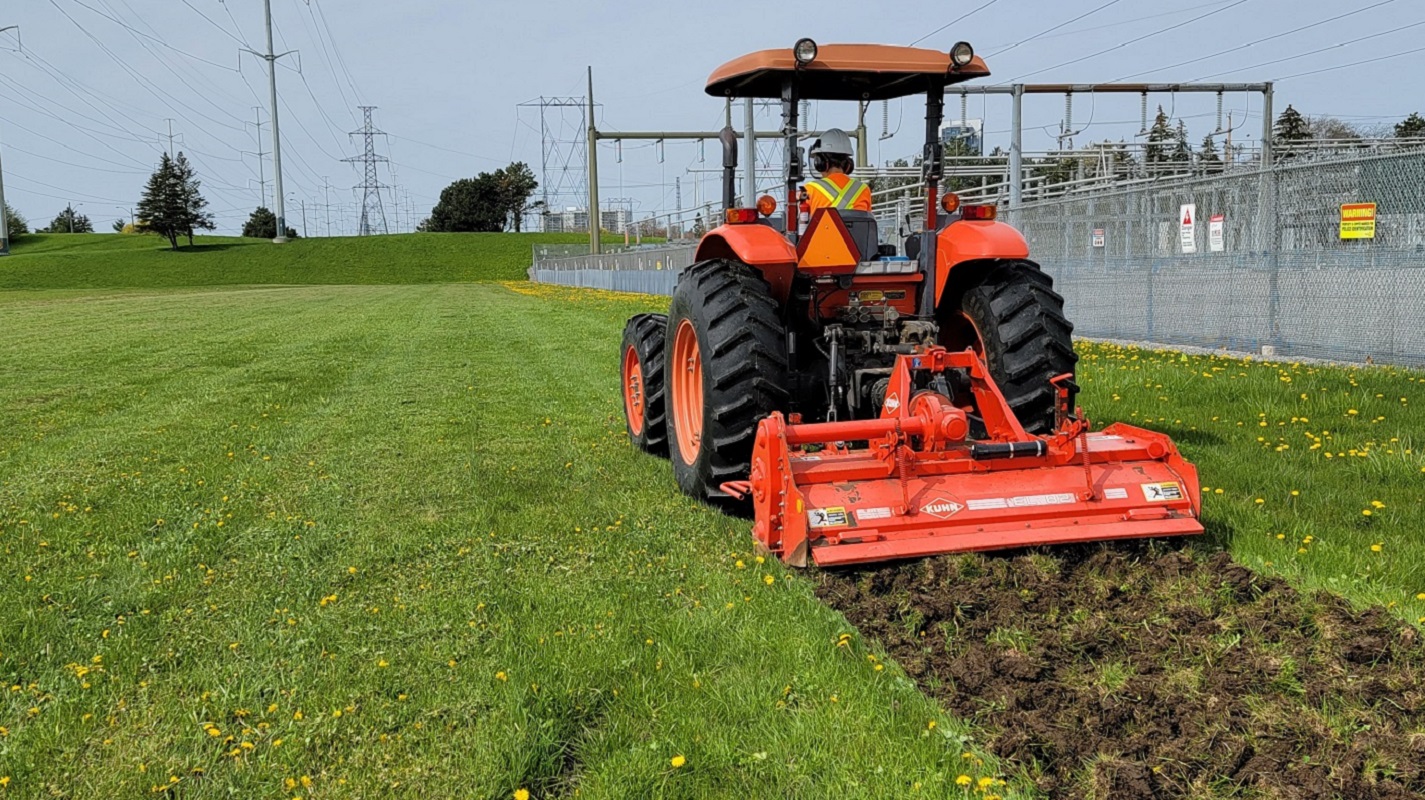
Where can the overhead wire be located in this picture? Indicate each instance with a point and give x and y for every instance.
(964, 16)
(1134, 40)
(1047, 31)
(1255, 42)
(1318, 51)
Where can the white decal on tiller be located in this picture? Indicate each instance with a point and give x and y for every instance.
(892, 402)
(942, 508)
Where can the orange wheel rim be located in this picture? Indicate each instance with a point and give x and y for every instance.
(686, 382)
(633, 391)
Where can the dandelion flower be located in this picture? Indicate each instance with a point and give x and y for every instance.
(521, 794)
(768, 579)
(963, 780)
(1365, 512)
(677, 761)
(1420, 596)
(1376, 548)
(501, 676)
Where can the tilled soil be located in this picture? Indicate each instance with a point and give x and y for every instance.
(1136, 671)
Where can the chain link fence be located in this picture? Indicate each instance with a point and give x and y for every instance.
(1261, 264)
(1261, 268)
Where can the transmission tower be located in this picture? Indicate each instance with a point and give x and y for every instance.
(371, 209)
(564, 156)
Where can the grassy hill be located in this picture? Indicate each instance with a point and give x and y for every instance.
(106, 261)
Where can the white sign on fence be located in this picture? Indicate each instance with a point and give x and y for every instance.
(1187, 234)
(1216, 237)
(1098, 237)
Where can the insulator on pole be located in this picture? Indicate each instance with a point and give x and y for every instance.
(885, 119)
(1143, 114)
(964, 109)
(660, 151)
(701, 159)
(618, 146)
(1219, 113)
(805, 114)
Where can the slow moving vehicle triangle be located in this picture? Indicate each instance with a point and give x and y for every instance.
(827, 243)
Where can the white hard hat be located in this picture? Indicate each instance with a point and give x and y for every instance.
(833, 142)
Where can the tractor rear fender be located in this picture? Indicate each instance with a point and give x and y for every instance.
(966, 241)
(758, 246)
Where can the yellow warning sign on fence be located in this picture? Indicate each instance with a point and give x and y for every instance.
(1358, 221)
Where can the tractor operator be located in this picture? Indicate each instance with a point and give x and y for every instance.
(831, 158)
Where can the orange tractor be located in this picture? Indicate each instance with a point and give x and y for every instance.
(867, 404)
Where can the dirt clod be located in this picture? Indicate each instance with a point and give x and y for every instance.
(1138, 671)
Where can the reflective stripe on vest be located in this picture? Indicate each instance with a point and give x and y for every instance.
(839, 198)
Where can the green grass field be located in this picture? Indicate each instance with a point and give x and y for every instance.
(93, 261)
(390, 540)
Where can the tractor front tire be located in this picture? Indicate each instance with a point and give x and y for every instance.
(727, 370)
(1024, 336)
(641, 367)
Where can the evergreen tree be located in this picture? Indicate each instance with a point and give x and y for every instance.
(1182, 151)
(195, 217)
(1208, 158)
(1291, 127)
(1156, 150)
(1412, 127)
(15, 225)
(161, 210)
(69, 221)
(263, 225)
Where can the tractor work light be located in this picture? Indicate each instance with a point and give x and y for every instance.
(805, 51)
(950, 202)
(766, 205)
(962, 54)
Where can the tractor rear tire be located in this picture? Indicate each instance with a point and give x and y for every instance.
(727, 370)
(1025, 338)
(641, 366)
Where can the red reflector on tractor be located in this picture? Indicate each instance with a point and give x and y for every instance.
(982, 213)
(741, 216)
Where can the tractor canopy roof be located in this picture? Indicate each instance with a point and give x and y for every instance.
(841, 72)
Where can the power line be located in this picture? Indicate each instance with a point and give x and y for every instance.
(966, 15)
(1258, 41)
(1357, 63)
(214, 23)
(1319, 51)
(1135, 40)
(1055, 28)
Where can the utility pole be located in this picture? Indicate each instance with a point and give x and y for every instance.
(271, 58)
(4, 217)
(595, 242)
(327, 204)
(170, 136)
(370, 184)
(261, 172)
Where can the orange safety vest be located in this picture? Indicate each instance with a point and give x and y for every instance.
(838, 191)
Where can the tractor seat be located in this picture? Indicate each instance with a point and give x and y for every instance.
(862, 227)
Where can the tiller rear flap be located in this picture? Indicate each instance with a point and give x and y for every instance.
(947, 468)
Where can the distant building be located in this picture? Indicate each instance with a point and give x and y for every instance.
(576, 220)
(967, 134)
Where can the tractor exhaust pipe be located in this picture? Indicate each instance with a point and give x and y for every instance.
(728, 137)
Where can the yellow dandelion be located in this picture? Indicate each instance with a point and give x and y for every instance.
(1377, 547)
(521, 794)
(1365, 512)
(501, 676)
(768, 579)
(963, 780)
(382, 664)
(739, 564)
(677, 761)
(1420, 596)
(351, 570)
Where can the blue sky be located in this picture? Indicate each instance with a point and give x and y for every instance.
(84, 108)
